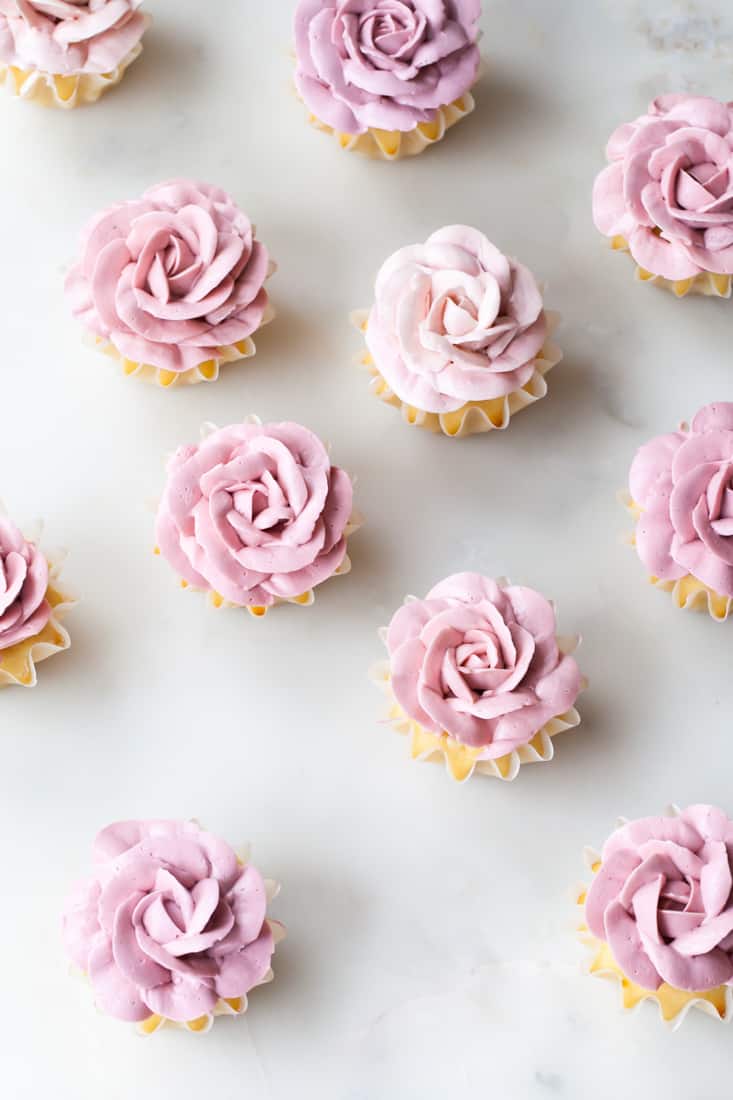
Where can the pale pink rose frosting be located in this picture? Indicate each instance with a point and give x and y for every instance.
(65, 37)
(24, 609)
(481, 663)
(668, 189)
(662, 900)
(388, 64)
(256, 513)
(168, 923)
(684, 484)
(172, 277)
(454, 320)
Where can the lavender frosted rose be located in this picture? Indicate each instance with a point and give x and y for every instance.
(24, 609)
(67, 37)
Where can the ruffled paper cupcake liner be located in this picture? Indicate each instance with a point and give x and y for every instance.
(64, 92)
(672, 1004)
(206, 371)
(18, 662)
(688, 593)
(708, 283)
(461, 760)
(475, 416)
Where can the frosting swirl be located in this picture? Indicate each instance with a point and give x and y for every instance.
(66, 37)
(480, 662)
(668, 189)
(256, 513)
(454, 320)
(388, 64)
(662, 900)
(24, 609)
(172, 277)
(684, 484)
(168, 923)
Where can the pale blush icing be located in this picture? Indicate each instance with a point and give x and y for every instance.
(683, 481)
(481, 663)
(388, 64)
(24, 609)
(256, 513)
(454, 320)
(669, 187)
(168, 923)
(171, 277)
(662, 900)
(65, 37)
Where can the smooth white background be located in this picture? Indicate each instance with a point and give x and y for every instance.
(431, 950)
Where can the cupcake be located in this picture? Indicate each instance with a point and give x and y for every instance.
(255, 515)
(681, 495)
(458, 337)
(386, 78)
(62, 53)
(172, 285)
(31, 607)
(477, 675)
(171, 927)
(658, 915)
(666, 196)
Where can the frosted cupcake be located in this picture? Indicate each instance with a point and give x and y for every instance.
(658, 915)
(63, 53)
(666, 196)
(458, 337)
(477, 676)
(255, 515)
(681, 495)
(386, 78)
(31, 607)
(172, 285)
(171, 927)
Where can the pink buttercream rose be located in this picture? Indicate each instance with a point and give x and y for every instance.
(388, 64)
(24, 609)
(684, 484)
(481, 663)
(662, 900)
(454, 320)
(168, 923)
(256, 513)
(66, 37)
(668, 189)
(172, 277)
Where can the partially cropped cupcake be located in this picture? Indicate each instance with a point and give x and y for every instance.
(386, 78)
(681, 495)
(63, 53)
(256, 515)
(666, 196)
(658, 915)
(458, 337)
(31, 607)
(171, 927)
(172, 285)
(477, 675)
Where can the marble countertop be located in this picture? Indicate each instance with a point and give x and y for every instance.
(431, 950)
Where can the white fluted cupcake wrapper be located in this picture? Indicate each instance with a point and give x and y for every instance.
(64, 92)
(707, 283)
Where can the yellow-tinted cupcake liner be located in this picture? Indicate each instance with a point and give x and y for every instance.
(688, 593)
(65, 92)
(18, 662)
(707, 283)
(475, 416)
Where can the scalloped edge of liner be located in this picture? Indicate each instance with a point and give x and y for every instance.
(707, 283)
(54, 638)
(65, 92)
(475, 417)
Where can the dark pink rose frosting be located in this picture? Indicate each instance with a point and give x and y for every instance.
(662, 900)
(684, 484)
(168, 923)
(65, 37)
(172, 277)
(388, 64)
(24, 609)
(668, 189)
(481, 663)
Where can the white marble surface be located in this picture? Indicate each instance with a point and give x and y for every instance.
(431, 951)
